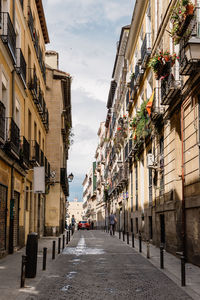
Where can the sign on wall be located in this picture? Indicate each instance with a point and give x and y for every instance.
(39, 180)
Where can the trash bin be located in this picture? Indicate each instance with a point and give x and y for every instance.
(31, 254)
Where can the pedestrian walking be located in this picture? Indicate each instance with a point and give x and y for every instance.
(112, 221)
(73, 222)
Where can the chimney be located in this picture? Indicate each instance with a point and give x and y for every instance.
(52, 59)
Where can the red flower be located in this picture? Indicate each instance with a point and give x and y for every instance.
(119, 128)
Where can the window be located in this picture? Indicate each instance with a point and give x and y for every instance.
(131, 185)
(29, 124)
(27, 198)
(150, 183)
(35, 131)
(17, 113)
(5, 94)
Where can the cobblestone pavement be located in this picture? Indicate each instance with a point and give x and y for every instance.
(98, 266)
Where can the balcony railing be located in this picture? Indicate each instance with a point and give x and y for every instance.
(2, 123)
(40, 58)
(7, 33)
(170, 87)
(64, 181)
(35, 152)
(42, 158)
(36, 43)
(12, 136)
(21, 65)
(31, 23)
(126, 152)
(190, 29)
(33, 83)
(25, 151)
(139, 72)
(40, 101)
(157, 108)
(146, 50)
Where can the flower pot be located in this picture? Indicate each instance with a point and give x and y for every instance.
(190, 9)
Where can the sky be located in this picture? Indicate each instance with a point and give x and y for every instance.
(85, 34)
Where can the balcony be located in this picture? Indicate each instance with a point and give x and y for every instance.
(42, 161)
(33, 84)
(47, 168)
(21, 65)
(25, 153)
(36, 43)
(31, 23)
(170, 87)
(146, 50)
(129, 101)
(157, 109)
(2, 123)
(64, 181)
(40, 101)
(40, 58)
(35, 153)
(139, 72)
(126, 150)
(7, 33)
(123, 174)
(12, 144)
(190, 44)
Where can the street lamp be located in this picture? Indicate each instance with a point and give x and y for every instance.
(70, 177)
(192, 49)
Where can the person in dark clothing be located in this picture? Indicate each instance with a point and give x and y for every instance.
(112, 221)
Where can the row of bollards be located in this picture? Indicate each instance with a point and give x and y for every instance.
(182, 258)
(65, 240)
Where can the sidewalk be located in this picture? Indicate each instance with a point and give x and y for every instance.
(172, 266)
(10, 270)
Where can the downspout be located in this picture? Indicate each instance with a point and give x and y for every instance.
(183, 221)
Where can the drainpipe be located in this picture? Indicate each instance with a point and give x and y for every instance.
(183, 222)
(11, 227)
(13, 71)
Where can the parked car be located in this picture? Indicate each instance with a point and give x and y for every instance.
(83, 225)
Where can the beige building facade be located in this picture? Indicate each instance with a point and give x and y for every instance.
(151, 170)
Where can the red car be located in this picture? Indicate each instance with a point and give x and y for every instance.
(83, 225)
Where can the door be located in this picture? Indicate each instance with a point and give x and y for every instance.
(3, 215)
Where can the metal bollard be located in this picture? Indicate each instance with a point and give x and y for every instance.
(44, 258)
(120, 234)
(161, 256)
(133, 241)
(140, 242)
(63, 244)
(148, 249)
(23, 271)
(54, 250)
(127, 237)
(59, 242)
(69, 235)
(67, 238)
(123, 236)
(182, 270)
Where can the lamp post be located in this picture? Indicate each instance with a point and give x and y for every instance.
(70, 177)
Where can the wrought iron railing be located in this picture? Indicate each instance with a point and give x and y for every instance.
(35, 152)
(25, 150)
(2, 121)
(146, 49)
(33, 83)
(12, 134)
(8, 35)
(21, 64)
(126, 152)
(41, 158)
(36, 42)
(31, 23)
(170, 86)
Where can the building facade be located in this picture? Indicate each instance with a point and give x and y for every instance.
(152, 164)
(24, 122)
(58, 97)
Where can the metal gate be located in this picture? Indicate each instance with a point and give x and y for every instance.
(3, 215)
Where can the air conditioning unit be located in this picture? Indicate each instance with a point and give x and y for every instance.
(151, 161)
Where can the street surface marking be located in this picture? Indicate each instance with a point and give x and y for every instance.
(81, 249)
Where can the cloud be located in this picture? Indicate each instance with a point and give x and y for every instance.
(85, 33)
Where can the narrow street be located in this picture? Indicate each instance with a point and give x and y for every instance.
(98, 266)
